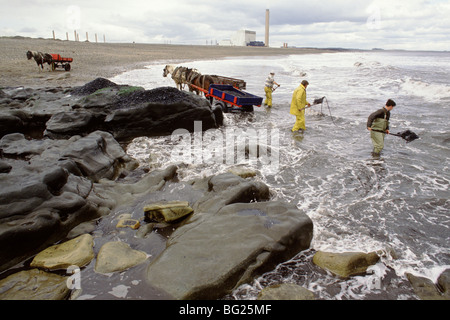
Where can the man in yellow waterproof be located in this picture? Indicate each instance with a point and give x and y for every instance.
(268, 89)
(298, 106)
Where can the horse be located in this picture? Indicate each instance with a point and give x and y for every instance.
(173, 70)
(202, 81)
(40, 58)
(181, 75)
(192, 80)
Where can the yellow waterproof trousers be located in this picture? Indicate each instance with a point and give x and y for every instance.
(299, 122)
(268, 100)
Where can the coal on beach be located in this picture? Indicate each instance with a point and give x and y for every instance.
(57, 142)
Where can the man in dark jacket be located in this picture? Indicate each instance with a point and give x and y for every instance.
(378, 125)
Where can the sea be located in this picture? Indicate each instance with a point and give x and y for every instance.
(397, 203)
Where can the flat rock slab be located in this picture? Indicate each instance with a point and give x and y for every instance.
(286, 291)
(78, 252)
(208, 257)
(167, 212)
(118, 256)
(34, 284)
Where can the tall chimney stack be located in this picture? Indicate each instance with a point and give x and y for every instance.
(267, 28)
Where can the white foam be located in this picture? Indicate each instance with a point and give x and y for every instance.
(428, 91)
(329, 173)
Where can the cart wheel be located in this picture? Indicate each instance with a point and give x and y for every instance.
(67, 67)
(220, 104)
(53, 66)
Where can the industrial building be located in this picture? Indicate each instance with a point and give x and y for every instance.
(248, 38)
(241, 38)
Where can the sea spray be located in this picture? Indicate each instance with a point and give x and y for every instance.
(397, 202)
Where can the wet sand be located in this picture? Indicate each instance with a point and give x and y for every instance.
(92, 60)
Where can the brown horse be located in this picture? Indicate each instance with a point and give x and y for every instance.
(203, 81)
(40, 58)
(192, 80)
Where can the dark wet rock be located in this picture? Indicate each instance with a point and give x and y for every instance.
(93, 86)
(168, 110)
(163, 95)
(67, 124)
(97, 155)
(124, 111)
(54, 185)
(228, 188)
(4, 167)
(27, 110)
(9, 123)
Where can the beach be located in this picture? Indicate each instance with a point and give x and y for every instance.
(92, 60)
(81, 152)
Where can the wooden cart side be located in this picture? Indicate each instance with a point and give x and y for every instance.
(237, 83)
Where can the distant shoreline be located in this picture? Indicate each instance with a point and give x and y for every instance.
(92, 60)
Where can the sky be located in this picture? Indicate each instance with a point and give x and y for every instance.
(363, 24)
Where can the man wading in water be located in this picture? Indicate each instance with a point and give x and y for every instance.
(378, 125)
(268, 89)
(298, 106)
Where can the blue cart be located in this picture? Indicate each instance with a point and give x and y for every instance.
(232, 99)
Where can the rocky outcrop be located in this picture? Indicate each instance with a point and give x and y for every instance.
(50, 188)
(62, 164)
(125, 112)
(54, 185)
(129, 112)
(61, 157)
(209, 256)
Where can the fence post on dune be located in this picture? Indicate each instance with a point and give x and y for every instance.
(53, 31)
